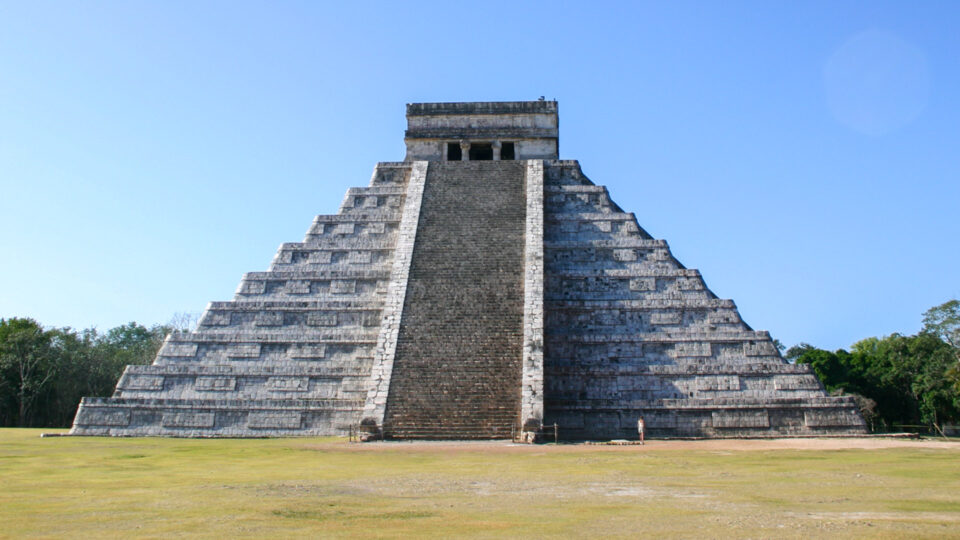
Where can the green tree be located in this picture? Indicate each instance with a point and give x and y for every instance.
(132, 343)
(45, 372)
(943, 321)
(80, 361)
(28, 364)
(897, 380)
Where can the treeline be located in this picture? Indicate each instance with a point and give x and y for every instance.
(45, 372)
(902, 383)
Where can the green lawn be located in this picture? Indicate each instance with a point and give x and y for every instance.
(99, 487)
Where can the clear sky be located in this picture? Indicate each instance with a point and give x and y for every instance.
(805, 156)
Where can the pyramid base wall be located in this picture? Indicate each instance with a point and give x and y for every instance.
(117, 417)
(713, 419)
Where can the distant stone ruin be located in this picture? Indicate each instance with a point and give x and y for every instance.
(481, 289)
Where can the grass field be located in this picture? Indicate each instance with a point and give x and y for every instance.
(98, 487)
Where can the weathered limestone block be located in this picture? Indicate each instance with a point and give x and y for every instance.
(288, 384)
(360, 257)
(243, 350)
(723, 317)
(269, 318)
(102, 417)
(298, 286)
(343, 287)
(178, 419)
(691, 349)
(141, 382)
(215, 318)
(322, 319)
(625, 255)
(344, 228)
(307, 351)
(763, 348)
(274, 420)
(719, 382)
(216, 384)
(666, 317)
(629, 228)
(643, 284)
(180, 350)
(741, 419)
(689, 284)
(320, 257)
(253, 287)
(831, 417)
(800, 382)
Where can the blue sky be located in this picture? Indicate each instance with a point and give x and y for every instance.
(802, 155)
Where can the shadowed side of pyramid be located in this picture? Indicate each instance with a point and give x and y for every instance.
(631, 333)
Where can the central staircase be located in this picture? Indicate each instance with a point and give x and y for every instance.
(457, 367)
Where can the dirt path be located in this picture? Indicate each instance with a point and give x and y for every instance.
(859, 443)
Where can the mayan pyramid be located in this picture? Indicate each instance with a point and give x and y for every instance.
(482, 288)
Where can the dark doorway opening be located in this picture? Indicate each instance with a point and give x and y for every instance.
(481, 152)
(507, 151)
(453, 152)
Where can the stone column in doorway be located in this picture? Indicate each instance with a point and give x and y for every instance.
(496, 150)
(465, 150)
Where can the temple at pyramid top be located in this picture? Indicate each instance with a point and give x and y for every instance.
(482, 131)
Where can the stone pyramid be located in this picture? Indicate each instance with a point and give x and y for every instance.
(480, 289)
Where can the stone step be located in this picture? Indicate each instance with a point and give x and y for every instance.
(623, 270)
(384, 240)
(716, 367)
(465, 417)
(550, 218)
(246, 337)
(320, 275)
(224, 404)
(746, 402)
(459, 346)
(550, 189)
(301, 369)
(650, 301)
(386, 216)
(375, 190)
(423, 424)
(606, 242)
(390, 174)
(677, 336)
(311, 304)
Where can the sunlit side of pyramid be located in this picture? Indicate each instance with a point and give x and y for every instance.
(479, 289)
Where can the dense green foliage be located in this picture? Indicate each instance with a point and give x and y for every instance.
(899, 381)
(45, 372)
